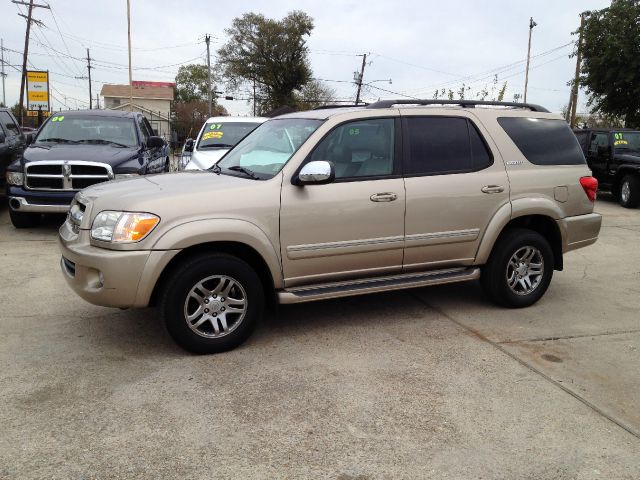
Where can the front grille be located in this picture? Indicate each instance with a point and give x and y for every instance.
(68, 176)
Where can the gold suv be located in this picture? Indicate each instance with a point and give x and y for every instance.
(336, 202)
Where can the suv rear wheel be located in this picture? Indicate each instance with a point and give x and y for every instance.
(212, 302)
(629, 196)
(519, 269)
(24, 220)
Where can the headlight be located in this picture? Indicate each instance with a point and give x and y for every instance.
(122, 227)
(126, 175)
(14, 178)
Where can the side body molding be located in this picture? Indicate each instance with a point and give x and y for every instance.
(199, 231)
(519, 207)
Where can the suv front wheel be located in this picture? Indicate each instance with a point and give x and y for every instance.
(519, 269)
(212, 302)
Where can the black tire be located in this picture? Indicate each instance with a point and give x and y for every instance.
(494, 273)
(167, 165)
(23, 219)
(179, 285)
(629, 192)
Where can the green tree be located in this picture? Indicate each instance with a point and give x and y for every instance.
(271, 53)
(191, 83)
(313, 94)
(611, 61)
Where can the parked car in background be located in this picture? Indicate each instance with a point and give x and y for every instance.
(613, 155)
(337, 202)
(12, 141)
(77, 149)
(216, 137)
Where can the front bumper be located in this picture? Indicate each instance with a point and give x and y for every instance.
(579, 231)
(22, 200)
(110, 278)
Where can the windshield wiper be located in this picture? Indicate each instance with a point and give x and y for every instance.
(56, 140)
(216, 145)
(250, 173)
(103, 141)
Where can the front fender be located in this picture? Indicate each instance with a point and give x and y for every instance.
(200, 231)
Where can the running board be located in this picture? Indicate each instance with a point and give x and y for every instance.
(378, 284)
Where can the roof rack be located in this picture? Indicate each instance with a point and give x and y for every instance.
(325, 107)
(462, 103)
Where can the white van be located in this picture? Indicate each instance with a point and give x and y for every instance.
(216, 137)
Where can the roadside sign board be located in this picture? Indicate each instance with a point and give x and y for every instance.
(37, 91)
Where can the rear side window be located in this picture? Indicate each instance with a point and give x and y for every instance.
(583, 139)
(442, 145)
(544, 141)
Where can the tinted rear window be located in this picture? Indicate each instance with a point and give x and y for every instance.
(544, 141)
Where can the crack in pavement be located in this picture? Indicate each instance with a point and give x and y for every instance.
(568, 337)
(592, 406)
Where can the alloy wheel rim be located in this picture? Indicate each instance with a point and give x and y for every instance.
(215, 306)
(525, 270)
(625, 192)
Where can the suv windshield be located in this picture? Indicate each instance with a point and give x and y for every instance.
(626, 141)
(89, 129)
(265, 150)
(223, 134)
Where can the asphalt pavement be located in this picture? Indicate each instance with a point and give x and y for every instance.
(426, 383)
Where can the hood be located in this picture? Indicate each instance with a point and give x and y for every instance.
(109, 154)
(183, 194)
(204, 159)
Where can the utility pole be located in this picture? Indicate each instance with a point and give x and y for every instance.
(129, 41)
(4, 98)
(31, 6)
(576, 80)
(207, 39)
(359, 77)
(254, 97)
(526, 75)
(89, 73)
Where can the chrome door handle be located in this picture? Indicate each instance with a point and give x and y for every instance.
(383, 197)
(492, 189)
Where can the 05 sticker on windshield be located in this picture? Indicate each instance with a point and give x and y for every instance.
(209, 135)
(57, 118)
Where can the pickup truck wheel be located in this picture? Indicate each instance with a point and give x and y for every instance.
(212, 303)
(519, 269)
(23, 219)
(630, 191)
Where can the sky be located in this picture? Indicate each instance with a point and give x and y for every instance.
(412, 47)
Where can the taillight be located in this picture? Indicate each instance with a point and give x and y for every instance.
(590, 186)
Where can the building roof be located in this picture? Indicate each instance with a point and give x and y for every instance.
(95, 113)
(122, 91)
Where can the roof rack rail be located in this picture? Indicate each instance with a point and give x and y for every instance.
(462, 103)
(325, 107)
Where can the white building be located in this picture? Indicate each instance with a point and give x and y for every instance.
(153, 99)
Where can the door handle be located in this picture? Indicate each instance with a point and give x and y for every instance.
(383, 197)
(492, 189)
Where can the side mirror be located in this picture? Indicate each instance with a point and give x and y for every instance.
(316, 173)
(155, 142)
(188, 145)
(28, 139)
(603, 150)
